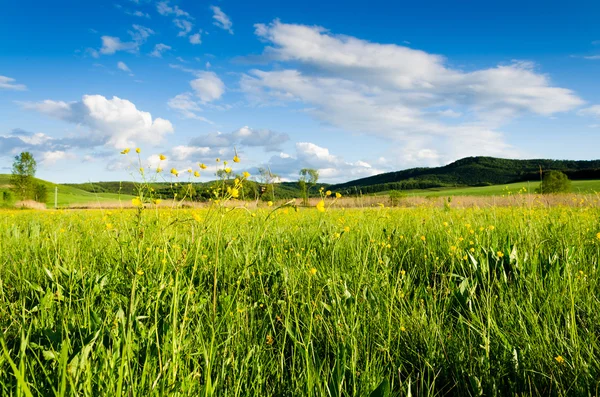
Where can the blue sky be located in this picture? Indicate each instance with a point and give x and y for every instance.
(350, 88)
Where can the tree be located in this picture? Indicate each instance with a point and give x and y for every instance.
(554, 182)
(267, 178)
(23, 171)
(308, 178)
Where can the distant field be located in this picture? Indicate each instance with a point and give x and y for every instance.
(498, 190)
(68, 195)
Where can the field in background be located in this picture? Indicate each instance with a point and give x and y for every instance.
(274, 301)
(68, 195)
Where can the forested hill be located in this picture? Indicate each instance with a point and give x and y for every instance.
(471, 171)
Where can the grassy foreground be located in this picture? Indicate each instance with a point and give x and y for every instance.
(279, 302)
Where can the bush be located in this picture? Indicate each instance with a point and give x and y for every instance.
(554, 182)
(40, 193)
(396, 197)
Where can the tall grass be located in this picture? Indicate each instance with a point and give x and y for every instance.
(233, 302)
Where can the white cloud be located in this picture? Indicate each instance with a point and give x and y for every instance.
(593, 111)
(52, 157)
(221, 19)
(164, 8)
(122, 66)
(196, 38)
(208, 86)
(159, 49)
(184, 26)
(592, 57)
(399, 93)
(245, 136)
(114, 122)
(7, 83)
(110, 45)
(187, 106)
(331, 168)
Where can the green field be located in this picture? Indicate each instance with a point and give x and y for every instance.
(68, 195)
(587, 187)
(217, 302)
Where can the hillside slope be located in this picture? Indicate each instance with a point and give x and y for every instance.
(67, 194)
(471, 171)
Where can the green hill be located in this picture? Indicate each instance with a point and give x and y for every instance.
(68, 194)
(470, 171)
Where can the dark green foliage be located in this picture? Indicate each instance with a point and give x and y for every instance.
(470, 171)
(308, 179)
(554, 182)
(40, 192)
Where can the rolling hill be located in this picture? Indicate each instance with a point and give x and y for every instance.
(470, 171)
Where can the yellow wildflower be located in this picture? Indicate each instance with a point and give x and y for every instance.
(559, 359)
(196, 174)
(162, 157)
(228, 170)
(270, 203)
(136, 202)
(236, 159)
(156, 201)
(321, 206)
(312, 271)
(328, 193)
(159, 170)
(125, 151)
(174, 172)
(598, 236)
(109, 226)
(246, 174)
(347, 229)
(140, 272)
(217, 159)
(138, 150)
(203, 166)
(500, 254)
(423, 238)
(338, 195)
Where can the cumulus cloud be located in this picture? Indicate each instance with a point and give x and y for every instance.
(7, 83)
(184, 26)
(187, 106)
(221, 19)
(159, 49)
(397, 92)
(112, 122)
(208, 86)
(331, 168)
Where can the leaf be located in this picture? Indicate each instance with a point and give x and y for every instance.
(383, 390)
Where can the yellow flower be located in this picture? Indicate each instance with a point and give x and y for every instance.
(347, 229)
(246, 174)
(174, 172)
(109, 226)
(236, 159)
(270, 340)
(500, 254)
(138, 150)
(203, 166)
(236, 181)
(125, 151)
(196, 174)
(321, 206)
(328, 193)
(157, 201)
(338, 195)
(270, 203)
(423, 238)
(228, 170)
(140, 272)
(598, 236)
(312, 271)
(234, 192)
(217, 159)
(491, 227)
(136, 202)
(162, 157)
(159, 170)
(402, 329)
(559, 359)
